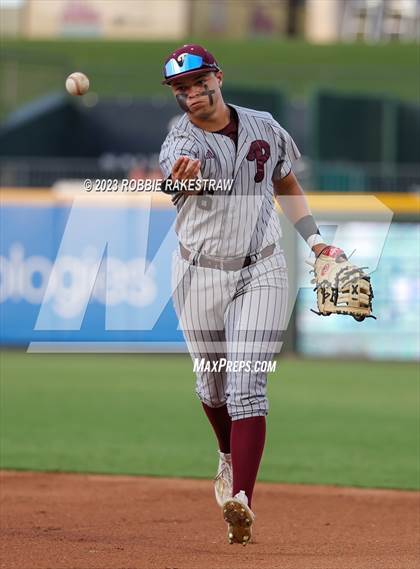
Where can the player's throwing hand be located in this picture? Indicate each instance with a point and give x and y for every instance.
(185, 168)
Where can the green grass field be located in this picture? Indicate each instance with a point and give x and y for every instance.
(330, 422)
(34, 68)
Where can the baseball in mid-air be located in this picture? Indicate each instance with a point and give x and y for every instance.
(77, 83)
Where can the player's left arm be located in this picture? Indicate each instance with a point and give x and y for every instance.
(291, 198)
(341, 287)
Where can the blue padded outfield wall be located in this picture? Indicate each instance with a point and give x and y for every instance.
(85, 239)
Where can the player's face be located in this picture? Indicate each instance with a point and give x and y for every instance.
(198, 95)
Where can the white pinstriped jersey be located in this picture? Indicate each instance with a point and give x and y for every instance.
(242, 220)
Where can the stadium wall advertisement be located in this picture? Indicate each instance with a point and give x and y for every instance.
(49, 294)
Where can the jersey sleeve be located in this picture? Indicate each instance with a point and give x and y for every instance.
(176, 144)
(288, 153)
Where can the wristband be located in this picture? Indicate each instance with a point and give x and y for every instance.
(315, 239)
(307, 227)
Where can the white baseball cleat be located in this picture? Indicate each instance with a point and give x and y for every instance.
(239, 517)
(223, 479)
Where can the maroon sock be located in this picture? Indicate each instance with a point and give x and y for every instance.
(247, 445)
(221, 423)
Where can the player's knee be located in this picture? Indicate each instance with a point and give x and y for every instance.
(210, 394)
(210, 402)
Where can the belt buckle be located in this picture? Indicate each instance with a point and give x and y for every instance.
(195, 259)
(253, 258)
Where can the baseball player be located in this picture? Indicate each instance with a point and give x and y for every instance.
(230, 275)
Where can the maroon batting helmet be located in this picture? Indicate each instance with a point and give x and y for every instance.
(188, 60)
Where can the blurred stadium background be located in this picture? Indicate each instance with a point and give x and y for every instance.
(343, 77)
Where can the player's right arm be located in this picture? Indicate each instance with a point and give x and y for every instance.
(180, 158)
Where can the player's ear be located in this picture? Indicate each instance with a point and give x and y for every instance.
(219, 77)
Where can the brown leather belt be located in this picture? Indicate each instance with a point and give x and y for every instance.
(225, 264)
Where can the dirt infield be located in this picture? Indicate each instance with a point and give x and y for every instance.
(69, 521)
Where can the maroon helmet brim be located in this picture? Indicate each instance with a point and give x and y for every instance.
(190, 73)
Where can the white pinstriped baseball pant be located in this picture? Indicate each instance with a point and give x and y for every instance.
(237, 315)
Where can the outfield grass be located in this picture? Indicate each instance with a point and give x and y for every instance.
(330, 422)
(134, 68)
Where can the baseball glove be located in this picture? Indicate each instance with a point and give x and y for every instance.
(341, 288)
